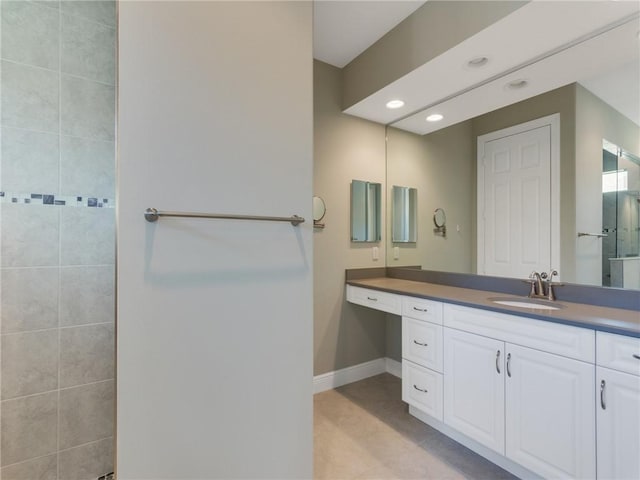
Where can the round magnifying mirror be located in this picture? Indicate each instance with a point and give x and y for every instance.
(319, 209)
(439, 218)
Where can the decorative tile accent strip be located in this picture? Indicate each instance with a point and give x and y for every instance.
(59, 200)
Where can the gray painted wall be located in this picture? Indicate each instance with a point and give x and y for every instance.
(345, 148)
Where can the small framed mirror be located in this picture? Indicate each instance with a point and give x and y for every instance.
(319, 210)
(365, 211)
(404, 215)
(440, 221)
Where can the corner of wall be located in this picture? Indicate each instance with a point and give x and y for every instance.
(345, 148)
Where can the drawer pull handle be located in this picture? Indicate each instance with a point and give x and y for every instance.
(373, 299)
(602, 404)
(498, 362)
(421, 344)
(420, 389)
(421, 309)
(509, 365)
(636, 356)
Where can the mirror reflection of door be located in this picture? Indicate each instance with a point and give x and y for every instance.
(515, 207)
(620, 217)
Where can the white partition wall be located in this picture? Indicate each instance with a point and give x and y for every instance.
(214, 316)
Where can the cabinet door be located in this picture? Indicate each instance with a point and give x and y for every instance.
(474, 387)
(618, 420)
(549, 413)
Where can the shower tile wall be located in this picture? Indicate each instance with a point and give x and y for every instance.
(57, 239)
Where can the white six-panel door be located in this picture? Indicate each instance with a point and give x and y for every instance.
(515, 201)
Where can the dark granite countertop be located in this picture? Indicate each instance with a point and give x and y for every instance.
(607, 319)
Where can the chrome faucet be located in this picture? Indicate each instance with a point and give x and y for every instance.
(537, 289)
(539, 281)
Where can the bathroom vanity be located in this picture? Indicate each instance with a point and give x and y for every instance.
(552, 392)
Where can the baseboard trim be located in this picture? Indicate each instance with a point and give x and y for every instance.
(344, 376)
(355, 373)
(393, 367)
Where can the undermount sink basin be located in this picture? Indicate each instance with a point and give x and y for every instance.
(530, 303)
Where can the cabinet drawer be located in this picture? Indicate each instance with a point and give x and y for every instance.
(422, 388)
(422, 309)
(422, 343)
(618, 352)
(387, 302)
(565, 340)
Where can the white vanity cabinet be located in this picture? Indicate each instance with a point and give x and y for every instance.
(532, 406)
(520, 391)
(617, 389)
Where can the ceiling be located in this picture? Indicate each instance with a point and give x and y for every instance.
(342, 30)
(619, 88)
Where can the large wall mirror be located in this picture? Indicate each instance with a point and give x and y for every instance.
(577, 97)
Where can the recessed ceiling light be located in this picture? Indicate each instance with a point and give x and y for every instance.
(477, 62)
(517, 84)
(393, 104)
(434, 117)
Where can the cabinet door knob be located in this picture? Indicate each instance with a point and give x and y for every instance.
(498, 361)
(602, 386)
(509, 364)
(420, 389)
(421, 344)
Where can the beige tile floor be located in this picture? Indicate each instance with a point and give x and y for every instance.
(364, 431)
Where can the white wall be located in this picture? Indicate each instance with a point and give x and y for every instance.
(214, 316)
